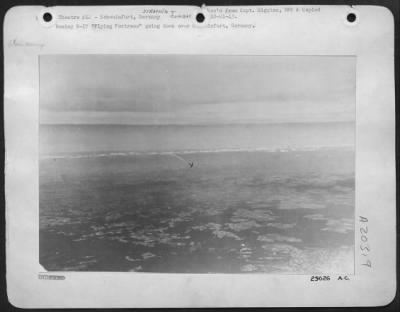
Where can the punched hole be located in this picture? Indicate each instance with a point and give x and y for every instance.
(47, 17)
(200, 17)
(351, 17)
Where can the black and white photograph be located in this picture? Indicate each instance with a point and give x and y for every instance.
(197, 163)
(200, 156)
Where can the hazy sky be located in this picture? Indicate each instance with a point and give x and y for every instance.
(127, 89)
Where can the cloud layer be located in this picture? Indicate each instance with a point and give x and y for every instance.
(161, 89)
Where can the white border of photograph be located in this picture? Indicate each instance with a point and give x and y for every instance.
(310, 30)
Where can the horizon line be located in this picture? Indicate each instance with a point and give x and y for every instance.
(199, 124)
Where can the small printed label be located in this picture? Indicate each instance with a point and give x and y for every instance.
(317, 278)
(51, 277)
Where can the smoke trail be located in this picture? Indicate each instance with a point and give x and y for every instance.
(179, 157)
